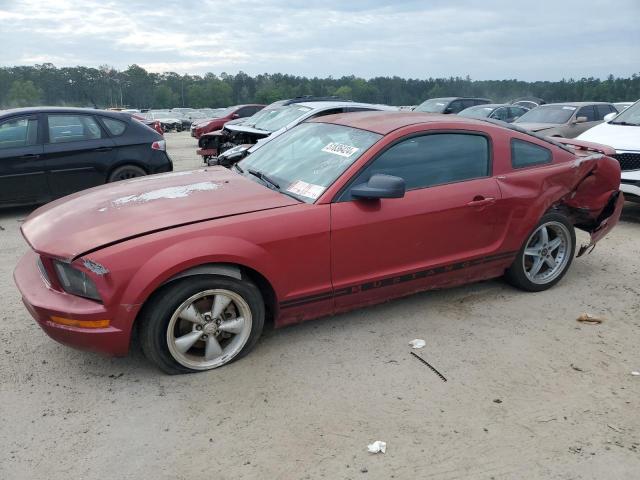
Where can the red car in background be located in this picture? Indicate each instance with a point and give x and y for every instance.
(338, 213)
(230, 113)
(155, 124)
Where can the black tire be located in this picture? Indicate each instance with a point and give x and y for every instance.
(516, 274)
(156, 316)
(124, 172)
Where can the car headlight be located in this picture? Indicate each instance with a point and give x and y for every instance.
(76, 282)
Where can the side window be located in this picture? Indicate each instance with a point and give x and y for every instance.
(467, 103)
(18, 132)
(603, 110)
(331, 111)
(245, 112)
(500, 114)
(526, 154)
(115, 127)
(479, 102)
(72, 128)
(588, 112)
(433, 159)
(455, 106)
(516, 112)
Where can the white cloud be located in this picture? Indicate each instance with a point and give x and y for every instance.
(492, 39)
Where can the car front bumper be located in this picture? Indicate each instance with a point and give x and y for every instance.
(43, 303)
(630, 185)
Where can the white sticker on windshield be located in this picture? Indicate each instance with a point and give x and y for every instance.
(569, 108)
(340, 149)
(305, 189)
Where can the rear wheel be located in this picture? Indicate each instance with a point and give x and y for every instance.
(125, 172)
(201, 322)
(545, 256)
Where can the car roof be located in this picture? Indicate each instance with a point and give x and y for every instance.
(575, 104)
(32, 110)
(384, 122)
(491, 105)
(340, 103)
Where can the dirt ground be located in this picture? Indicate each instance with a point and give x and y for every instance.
(530, 392)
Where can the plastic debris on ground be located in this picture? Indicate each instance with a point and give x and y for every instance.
(589, 319)
(635, 374)
(377, 447)
(417, 343)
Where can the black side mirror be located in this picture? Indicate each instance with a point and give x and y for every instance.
(448, 110)
(380, 186)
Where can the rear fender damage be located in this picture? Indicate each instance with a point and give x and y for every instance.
(594, 203)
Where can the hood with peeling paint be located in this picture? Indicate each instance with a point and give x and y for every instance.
(111, 213)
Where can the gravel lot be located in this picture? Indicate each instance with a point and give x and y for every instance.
(531, 393)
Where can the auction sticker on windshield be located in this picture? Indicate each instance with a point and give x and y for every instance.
(340, 149)
(305, 189)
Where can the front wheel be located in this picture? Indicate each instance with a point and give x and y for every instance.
(201, 322)
(545, 256)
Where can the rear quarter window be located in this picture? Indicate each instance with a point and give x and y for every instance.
(115, 127)
(526, 154)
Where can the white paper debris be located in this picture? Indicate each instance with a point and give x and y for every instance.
(635, 374)
(417, 343)
(377, 447)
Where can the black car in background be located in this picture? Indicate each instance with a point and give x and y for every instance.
(498, 111)
(46, 153)
(449, 104)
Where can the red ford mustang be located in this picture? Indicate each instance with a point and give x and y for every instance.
(341, 212)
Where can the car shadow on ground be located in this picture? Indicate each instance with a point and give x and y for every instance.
(16, 213)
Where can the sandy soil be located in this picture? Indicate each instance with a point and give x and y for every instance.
(531, 393)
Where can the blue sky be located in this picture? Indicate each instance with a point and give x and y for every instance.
(491, 39)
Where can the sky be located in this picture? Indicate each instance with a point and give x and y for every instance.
(490, 39)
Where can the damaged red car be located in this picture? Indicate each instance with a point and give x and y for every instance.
(339, 213)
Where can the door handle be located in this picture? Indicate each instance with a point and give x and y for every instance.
(480, 201)
(29, 156)
(102, 149)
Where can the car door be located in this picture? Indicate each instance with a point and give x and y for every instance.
(390, 247)
(575, 128)
(23, 177)
(78, 152)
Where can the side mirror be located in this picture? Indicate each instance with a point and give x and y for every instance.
(610, 116)
(235, 115)
(448, 110)
(380, 186)
(581, 119)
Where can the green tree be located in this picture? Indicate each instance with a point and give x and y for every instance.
(23, 94)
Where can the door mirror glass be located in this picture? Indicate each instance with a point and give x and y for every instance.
(581, 119)
(380, 186)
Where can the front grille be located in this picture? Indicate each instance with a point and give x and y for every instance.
(628, 161)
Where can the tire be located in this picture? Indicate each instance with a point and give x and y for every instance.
(558, 249)
(126, 172)
(169, 326)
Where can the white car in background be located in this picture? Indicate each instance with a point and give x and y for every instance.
(620, 106)
(622, 132)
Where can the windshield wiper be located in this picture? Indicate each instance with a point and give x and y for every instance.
(264, 177)
(628, 124)
(238, 168)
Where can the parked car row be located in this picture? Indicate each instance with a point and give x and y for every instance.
(239, 138)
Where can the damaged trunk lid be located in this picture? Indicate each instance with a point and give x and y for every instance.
(108, 214)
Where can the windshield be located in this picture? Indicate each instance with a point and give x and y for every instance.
(629, 116)
(309, 158)
(435, 105)
(548, 114)
(280, 117)
(476, 112)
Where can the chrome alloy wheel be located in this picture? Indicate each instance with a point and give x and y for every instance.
(209, 329)
(547, 252)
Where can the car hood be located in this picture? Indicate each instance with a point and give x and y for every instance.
(536, 127)
(620, 137)
(109, 214)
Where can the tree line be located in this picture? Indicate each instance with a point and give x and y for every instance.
(134, 87)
